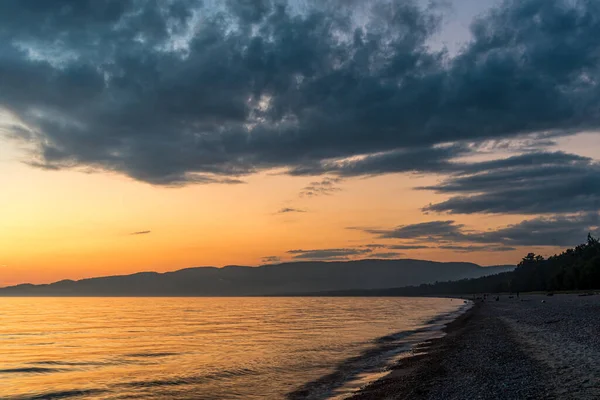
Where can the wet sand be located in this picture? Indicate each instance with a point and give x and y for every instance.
(535, 347)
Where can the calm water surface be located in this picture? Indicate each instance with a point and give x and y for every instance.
(204, 348)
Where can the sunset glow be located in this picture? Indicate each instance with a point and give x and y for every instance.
(93, 184)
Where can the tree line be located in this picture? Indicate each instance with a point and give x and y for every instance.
(574, 269)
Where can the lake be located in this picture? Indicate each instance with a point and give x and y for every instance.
(207, 348)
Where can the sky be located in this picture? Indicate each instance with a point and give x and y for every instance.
(159, 135)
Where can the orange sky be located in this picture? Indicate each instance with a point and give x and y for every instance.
(69, 224)
(73, 98)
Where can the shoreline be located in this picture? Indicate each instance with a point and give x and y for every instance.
(406, 376)
(378, 356)
(407, 345)
(536, 347)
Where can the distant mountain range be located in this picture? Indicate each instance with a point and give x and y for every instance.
(284, 279)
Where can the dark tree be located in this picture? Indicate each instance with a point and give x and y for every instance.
(574, 269)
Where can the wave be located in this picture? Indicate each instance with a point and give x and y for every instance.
(374, 362)
(73, 363)
(30, 370)
(398, 336)
(190, 380)
(59, 395)
(151, 355)
(450, 315)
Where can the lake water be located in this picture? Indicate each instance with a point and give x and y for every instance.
(206, 348)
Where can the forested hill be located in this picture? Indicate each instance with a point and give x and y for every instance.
(287, 278)
(574, 269)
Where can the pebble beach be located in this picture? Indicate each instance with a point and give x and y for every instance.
(532, 347)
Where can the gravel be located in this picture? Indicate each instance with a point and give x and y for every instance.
(533, 347)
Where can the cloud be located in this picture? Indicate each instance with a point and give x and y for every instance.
(546, 231)
(271, 259)
(141, 233)
(375, 246)
(379, 246)
(534, 183)
(178, 92)
(324, 187)
(471, 249)
(445, 230)
(425, 159)
(542, 231)
(407, 247)
(288, 210)
(386, 255)
(327, 254)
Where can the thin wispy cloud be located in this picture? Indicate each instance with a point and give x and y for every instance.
(471, 249)
(375, 246)
(327, 254)
(534, 183)
(386, 255)
(271, 259)
(289, 210)
(324, 187)
(408, 247)
(140, 233)
(563, 230)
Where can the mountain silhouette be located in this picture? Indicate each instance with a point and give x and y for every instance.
(286, 278)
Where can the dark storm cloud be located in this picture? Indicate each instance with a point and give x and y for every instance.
(543, 231)
(327, 254)
(171, 92)
(141, 233)
(537, 183)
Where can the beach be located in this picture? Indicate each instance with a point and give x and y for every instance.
(532, 347)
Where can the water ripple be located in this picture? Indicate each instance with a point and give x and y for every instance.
(61, 395)
(30, 370)
(72, 363)
(150, 355)
(223, 348)
(190, 380)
